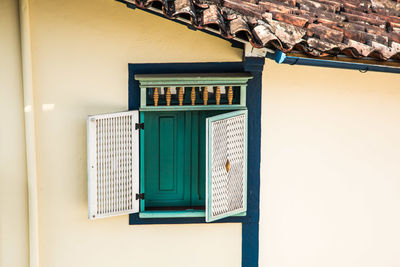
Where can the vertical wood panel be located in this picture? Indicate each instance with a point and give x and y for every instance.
(166, 156)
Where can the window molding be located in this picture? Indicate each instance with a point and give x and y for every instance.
(253, 94)
(191, 87)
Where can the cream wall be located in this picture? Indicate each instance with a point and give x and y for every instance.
(330, 148)
(81, 51)
(13, 188)
(330, 184)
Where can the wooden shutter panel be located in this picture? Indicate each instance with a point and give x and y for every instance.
(113, 164)
(226, 165)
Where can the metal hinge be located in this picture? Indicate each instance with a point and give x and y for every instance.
(140, 196)
(139, 126)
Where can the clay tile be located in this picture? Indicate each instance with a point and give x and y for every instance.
(321, 45)
(320, 6)
(325, 33)
(289, 35)
(245, 8)
(349, 26)
(212, 16)
(366, 38)
(365, 18)
(228, 13)
(184, 7)
(267, 16)
(270, 6)
(335, 4)
(264, 35)
(291, 19)
(238, 26)
(358, 28)
(362, 49)
(396, 47)
(148, 3)
(384, 51)
(202, 4)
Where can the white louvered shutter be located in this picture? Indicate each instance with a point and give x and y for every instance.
(226, 165)
(113, 164)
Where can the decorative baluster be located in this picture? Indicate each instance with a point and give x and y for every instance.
(217, 95)
(205, 95)
(180, 95)
(155, 96)
(193, 96)
(230, 95)
(168, 96)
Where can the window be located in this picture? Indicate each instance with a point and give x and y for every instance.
(191, 160)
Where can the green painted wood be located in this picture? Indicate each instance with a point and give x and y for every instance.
(174, 153)
(143, 102)
(196, 165)
(178, 214)
(172, 214)
(166, 157)
(199, 155)
(164, 160)
(150, 81)
(189, 153)
(203, 79)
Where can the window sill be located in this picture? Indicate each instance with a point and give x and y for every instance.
(177, 214)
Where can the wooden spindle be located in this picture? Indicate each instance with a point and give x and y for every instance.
(155, 96)
(217, 95)
(168, 96)
(193, 96)
(230, 95)
(205, 95)
(180, 95)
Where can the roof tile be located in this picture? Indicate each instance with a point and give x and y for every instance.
(239, 26)
(212, 16)
(356, 28)
(324, 33)
(296, 20)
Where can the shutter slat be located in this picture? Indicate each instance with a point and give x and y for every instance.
(113, 164)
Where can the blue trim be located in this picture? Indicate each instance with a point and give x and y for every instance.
(253, 93)
(282, 58)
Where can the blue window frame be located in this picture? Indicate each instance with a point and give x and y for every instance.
(253, 95)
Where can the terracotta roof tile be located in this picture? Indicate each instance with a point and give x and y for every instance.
(356, 28)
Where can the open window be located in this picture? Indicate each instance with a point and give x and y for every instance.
(183, 154)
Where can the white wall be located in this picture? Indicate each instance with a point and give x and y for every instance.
(13, 186)
(330, 183)
(81, 51)
(330, 149)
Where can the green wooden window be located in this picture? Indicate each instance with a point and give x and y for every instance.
(185, 157)
(174, 145)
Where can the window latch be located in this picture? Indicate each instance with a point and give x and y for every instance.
(140, 196)
(139, 126)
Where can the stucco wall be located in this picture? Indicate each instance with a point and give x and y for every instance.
(330, 149)
(13, 188)
(81, 55)
(330, 185)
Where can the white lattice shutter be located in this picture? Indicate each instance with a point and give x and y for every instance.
(113, 164)
(226, 165)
